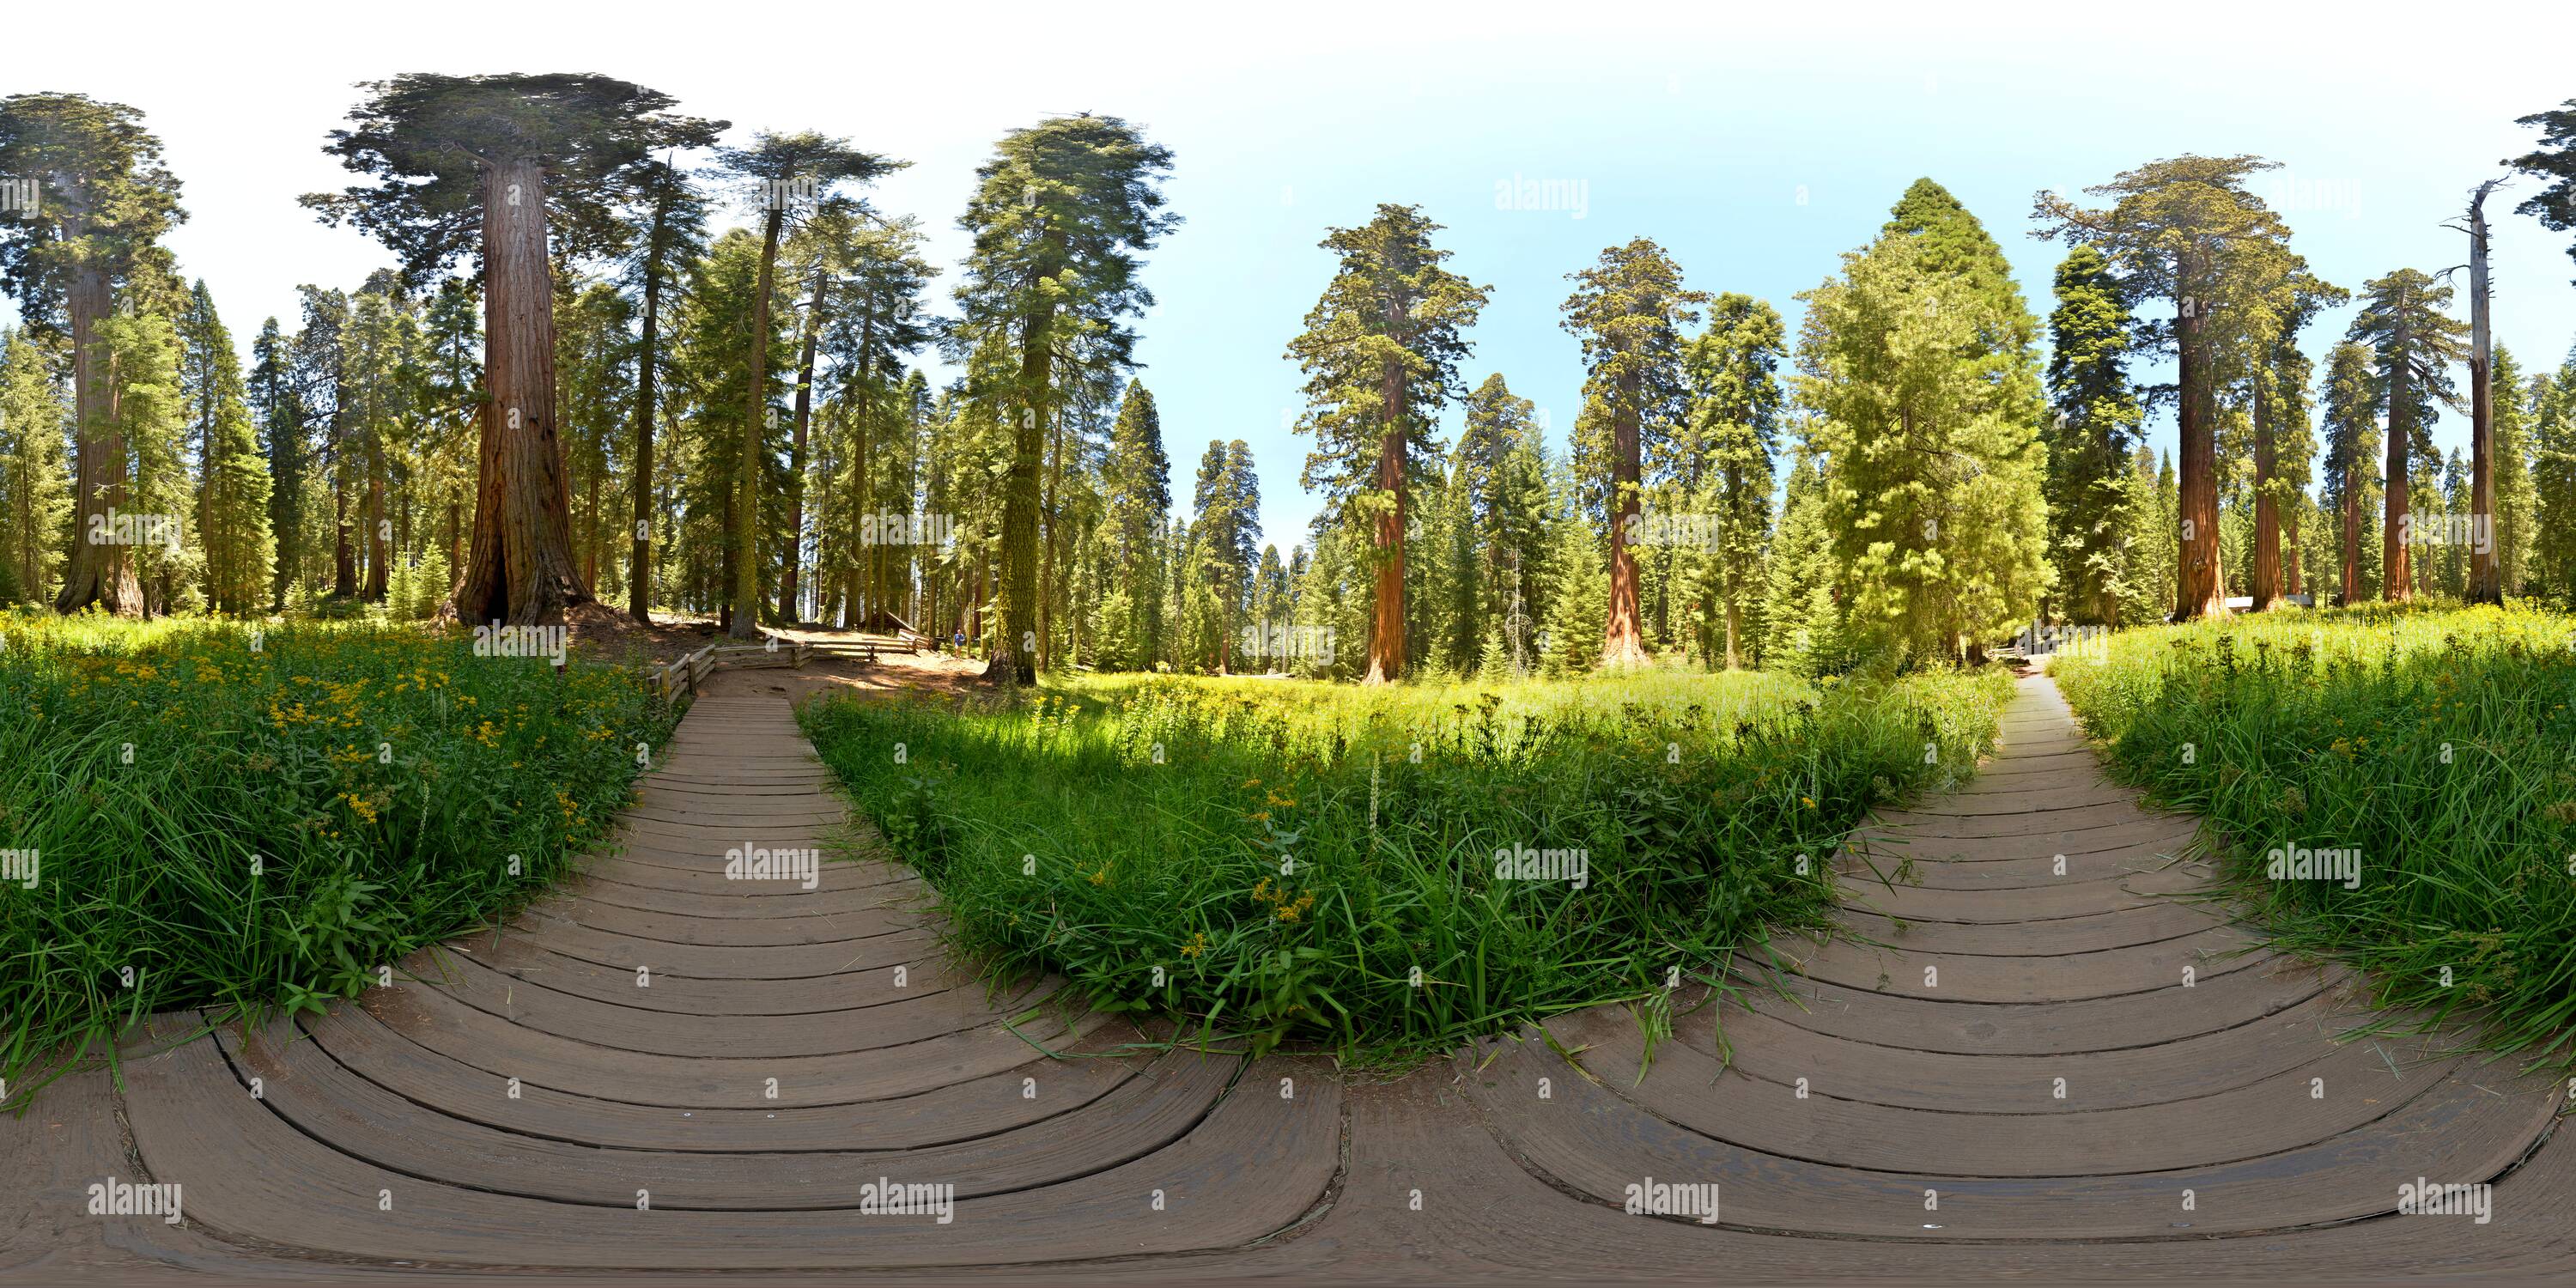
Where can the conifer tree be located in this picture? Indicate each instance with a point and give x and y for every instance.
(1505, 529)
(666, 229)
(517, 169)
(2167, 509)
(1734, 420)
(35, 487)
(2517, 501)
(1226, 533)
(1799, 606)
(1060, 216)
(88, 241)
(233, 488)
(2352, 446)
(870, 277)
(1380, 353)
(2412, 346)
(2092, 435)
(1628, 310)
(148, 416)
(726, 415)
(2552, 407)
(1140, 501)
(2265, 360)
(2287, 444)
(274, 398)
(2554, 162)
(2184, 230)
(786, 177)
(1928, 385)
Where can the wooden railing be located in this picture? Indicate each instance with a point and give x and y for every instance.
(686, 674)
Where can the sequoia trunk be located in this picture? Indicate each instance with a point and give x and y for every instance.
(519, 568)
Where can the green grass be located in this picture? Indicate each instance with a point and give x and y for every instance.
(2440, 743)
(217, 824)
(1277, 859)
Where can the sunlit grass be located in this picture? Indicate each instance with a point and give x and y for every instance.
(1298, 860)
(235, 816)
(2438, 742)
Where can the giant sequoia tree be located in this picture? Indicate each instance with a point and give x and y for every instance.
(1628, 309)
(2183, 230)
(516, 169)
(2412, 346)
(1380, 353)
(102, 201)
(1059, 217)
(2275, 297)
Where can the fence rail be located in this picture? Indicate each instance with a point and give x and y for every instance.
(684, 675)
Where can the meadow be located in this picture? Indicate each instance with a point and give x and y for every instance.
(1387, 871)
(238, 816)
(2436, 746)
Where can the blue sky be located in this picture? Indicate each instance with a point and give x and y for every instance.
(1755, 146)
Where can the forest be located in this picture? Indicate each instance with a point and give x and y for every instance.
(586, 388)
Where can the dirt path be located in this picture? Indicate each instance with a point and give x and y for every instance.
(2040, 1068)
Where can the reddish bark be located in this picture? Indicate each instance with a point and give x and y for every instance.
(2267, 513)
(1621, 644)
(1386, 624)
(2200, 589)
(2396, 582)
(100, 572)
(519, 567)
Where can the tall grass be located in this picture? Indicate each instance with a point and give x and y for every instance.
(2438, 742)
(235, 816)
(1288, 859)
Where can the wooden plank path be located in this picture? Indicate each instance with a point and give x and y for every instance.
(2010, 1066)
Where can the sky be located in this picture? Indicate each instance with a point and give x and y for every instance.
(1756, 146)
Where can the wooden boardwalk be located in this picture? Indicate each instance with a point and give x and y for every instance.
(2028, 1061)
